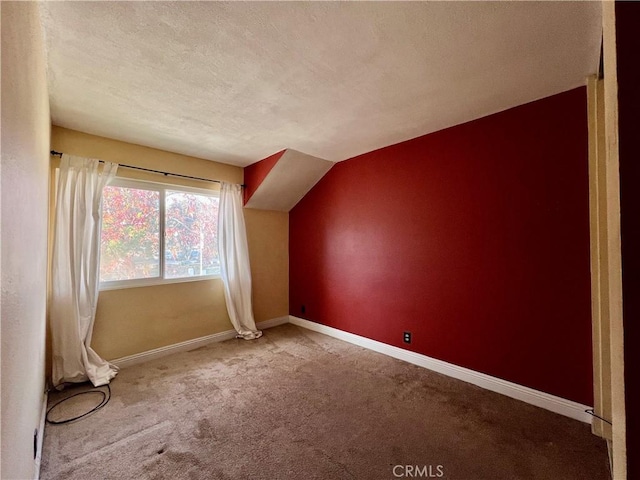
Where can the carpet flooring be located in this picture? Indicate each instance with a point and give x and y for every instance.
(296, 404)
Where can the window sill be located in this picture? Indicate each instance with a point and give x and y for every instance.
(151, 282)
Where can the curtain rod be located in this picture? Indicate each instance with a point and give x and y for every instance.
(59, 154)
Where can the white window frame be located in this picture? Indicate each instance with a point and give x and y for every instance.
(162, 189)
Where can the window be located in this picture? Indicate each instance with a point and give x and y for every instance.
(153, 234)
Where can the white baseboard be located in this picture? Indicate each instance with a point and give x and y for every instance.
(544, 400)
(187, 345)
(274, 322)
(43, 416)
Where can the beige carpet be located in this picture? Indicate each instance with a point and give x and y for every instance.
(301, 405)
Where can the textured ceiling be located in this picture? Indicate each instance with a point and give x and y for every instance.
(236, 82)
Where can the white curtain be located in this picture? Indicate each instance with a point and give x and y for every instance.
(234, 261)
(76, 269)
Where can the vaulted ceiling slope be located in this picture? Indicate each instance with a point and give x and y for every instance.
(235, 82)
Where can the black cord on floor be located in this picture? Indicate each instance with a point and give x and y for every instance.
(105, 399)
(593, 414)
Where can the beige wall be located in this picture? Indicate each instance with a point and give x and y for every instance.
(24, 198)
(613, 245)
(78, 143)
(599, 259)
(268, 238)
(135, 320)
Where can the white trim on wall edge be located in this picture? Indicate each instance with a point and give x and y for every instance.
(43, 416)
(544, 400)
(187, 345)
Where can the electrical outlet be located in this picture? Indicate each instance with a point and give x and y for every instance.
(407, 337)
(303, 309)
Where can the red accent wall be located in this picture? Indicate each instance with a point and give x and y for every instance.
(628, 45)
(254, 174)
(474, 238)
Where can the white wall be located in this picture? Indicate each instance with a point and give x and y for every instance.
(23, 233)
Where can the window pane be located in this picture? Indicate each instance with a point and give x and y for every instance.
(191, 225)
(130, 239)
